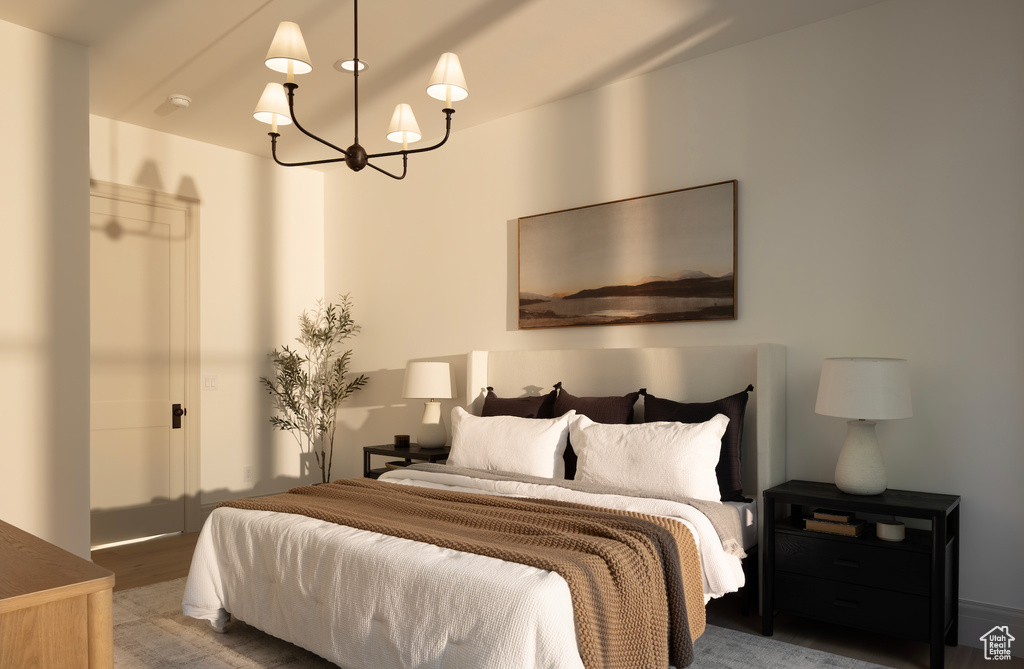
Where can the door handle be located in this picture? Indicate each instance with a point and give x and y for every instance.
(177, 411)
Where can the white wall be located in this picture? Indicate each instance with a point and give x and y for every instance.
(44, 289)
(261, 264)
(880, 157)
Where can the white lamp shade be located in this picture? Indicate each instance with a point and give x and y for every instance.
(427, 380)
(448, 83)
(403, 126)
(273, 106)
(864, 388)
(288, 46)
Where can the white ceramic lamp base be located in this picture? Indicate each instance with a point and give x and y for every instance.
(860, 469)
(432, 432)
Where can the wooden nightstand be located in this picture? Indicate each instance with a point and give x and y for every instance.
(414, 452)
(908, 588)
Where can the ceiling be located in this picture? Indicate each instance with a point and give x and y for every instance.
(516, 54)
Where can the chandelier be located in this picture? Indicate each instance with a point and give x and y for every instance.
(276, 106)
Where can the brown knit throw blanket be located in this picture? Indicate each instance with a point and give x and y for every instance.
(630, 575)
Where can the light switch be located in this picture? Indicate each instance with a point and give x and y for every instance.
(209, 382)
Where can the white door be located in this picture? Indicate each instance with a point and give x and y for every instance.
(139, 338)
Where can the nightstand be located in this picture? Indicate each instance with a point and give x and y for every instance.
(414, 452)
(908, 588)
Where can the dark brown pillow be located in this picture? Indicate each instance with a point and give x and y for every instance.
(733, 407)
(615, 410)
(533, 406)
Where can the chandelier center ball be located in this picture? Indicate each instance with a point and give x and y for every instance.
(356, 159)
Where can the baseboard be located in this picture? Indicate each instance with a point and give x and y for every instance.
(977, 618)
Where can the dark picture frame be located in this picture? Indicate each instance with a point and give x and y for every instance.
(667, 257)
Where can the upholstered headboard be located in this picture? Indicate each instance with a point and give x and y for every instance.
(685, 374)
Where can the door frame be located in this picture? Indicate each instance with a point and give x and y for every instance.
(190, 208)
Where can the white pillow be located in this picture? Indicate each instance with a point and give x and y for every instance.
(529, 446)
(666, 459)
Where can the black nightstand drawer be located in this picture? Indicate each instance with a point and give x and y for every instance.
(870, 609)
(850, 562)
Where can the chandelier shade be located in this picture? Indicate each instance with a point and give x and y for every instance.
(288, 54)
(403, 128)
(289, 49)
(273, 106)
(448, 82)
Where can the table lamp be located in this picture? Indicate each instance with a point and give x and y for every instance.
(429, 381)
(865, 390)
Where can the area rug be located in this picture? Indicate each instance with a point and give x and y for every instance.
(150, 632)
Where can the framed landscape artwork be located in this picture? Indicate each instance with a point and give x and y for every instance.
(653, 259)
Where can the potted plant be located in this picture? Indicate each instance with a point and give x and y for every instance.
(308, 387)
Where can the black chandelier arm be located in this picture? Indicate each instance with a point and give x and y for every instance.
(447, 132)
(346, 155)
(405, 168)
(291, 110)
(273, 152)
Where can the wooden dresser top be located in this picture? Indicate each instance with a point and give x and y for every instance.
(33, 571)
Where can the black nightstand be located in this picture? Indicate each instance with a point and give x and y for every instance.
(908, 588)
(414, 452)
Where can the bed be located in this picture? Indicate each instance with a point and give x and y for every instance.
(391, 604)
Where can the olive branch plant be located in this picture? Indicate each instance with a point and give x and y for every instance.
(307, 388)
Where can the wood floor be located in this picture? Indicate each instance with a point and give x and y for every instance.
(169, 558)
(148, 562)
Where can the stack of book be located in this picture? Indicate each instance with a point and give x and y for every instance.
(834, 522)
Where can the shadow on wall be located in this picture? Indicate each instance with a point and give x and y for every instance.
(262, 239)
(378, 412)
(115, 523)
(263, 280)
(63, 326)
(258, 244)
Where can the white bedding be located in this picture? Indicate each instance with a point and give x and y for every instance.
(747, 513)
(722, 573)
(365, 600)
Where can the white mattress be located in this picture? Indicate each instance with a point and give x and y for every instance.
(365, 600)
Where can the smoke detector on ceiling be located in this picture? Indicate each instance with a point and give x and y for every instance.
(180, 101)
